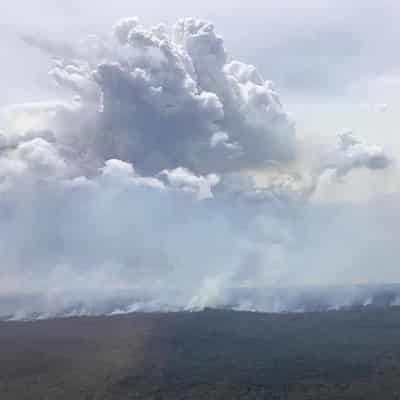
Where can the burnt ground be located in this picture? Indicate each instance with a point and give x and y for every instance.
(207, 355)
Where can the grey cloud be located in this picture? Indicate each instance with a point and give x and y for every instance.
(353, 153)
(49, 46)
(162, 97)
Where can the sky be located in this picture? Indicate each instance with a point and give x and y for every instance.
(138, 155)
(334, 57)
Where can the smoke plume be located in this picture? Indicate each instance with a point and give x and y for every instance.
(143, 191)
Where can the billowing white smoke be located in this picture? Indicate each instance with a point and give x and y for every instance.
(142, 184)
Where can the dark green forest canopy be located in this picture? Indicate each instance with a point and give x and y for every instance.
(211, 354)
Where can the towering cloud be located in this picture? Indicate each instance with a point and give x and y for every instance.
(165, 98)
